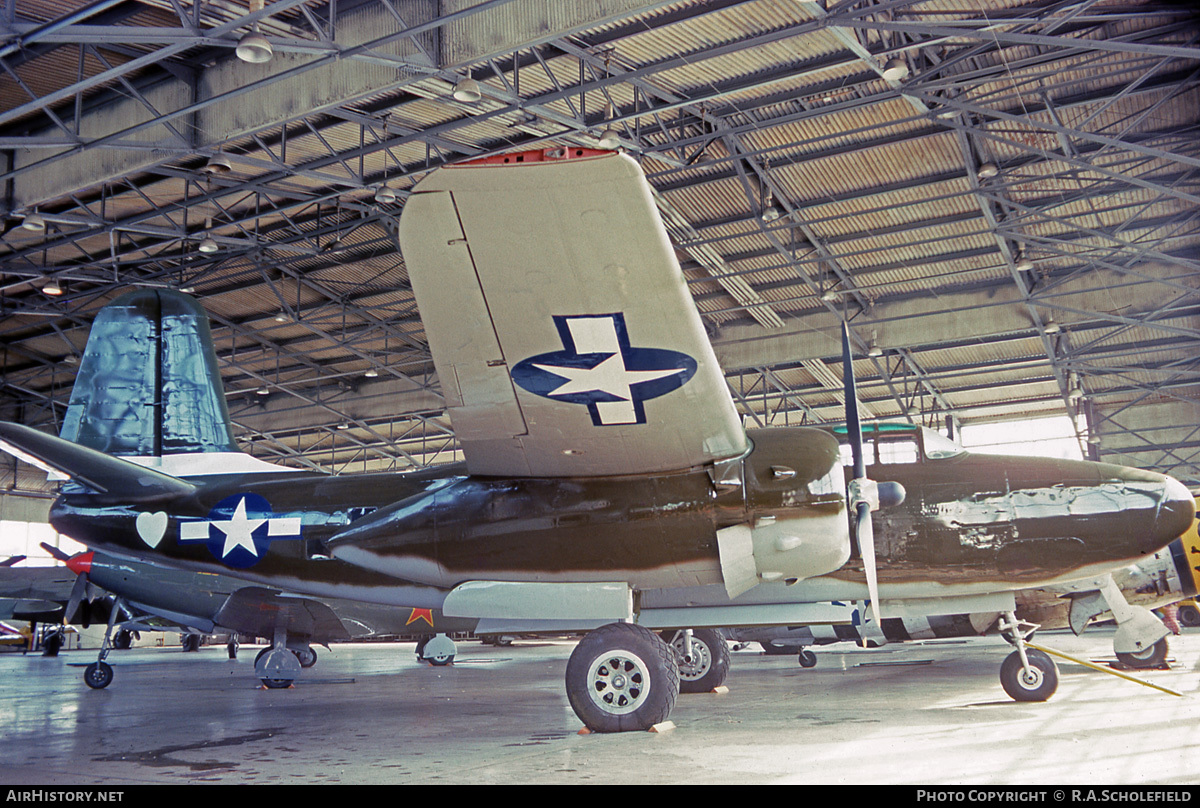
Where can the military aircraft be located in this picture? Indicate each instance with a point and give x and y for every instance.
(204, 603)
(1159, 580)
(607, 477)
(40, 595)
(912, 456)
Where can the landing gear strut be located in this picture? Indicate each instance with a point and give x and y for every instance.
(99, 674)
(702, 656)
(1027, 674)
(1141, 638)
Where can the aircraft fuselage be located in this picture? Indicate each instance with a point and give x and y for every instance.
(980, 523)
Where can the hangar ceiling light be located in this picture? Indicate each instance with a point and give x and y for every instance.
(34, 222)
(467, 91)
(896, 69)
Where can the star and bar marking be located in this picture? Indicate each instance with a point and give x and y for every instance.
(600, 369)
(241, 539)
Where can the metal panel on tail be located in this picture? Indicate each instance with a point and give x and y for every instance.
(149, 384)
(560, 323)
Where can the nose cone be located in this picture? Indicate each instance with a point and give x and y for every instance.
(1176, 513)
(81, 563)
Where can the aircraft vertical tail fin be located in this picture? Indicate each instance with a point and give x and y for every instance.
(149, 385)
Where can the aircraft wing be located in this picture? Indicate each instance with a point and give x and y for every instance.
(121, 480)
(561, 326)
(255, 610)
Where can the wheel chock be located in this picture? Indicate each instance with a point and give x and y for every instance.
(665, 726)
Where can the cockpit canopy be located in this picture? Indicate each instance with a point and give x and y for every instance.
(891, 444)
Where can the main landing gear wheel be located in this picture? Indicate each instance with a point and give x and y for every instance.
(52, 643)
(807, 658)
(1152, 657)
(98, 675)
(277, 667)
(1189, 615)
(622, 678)
(708, 663)
(306, 655)
(1036, 684)
(438, 650)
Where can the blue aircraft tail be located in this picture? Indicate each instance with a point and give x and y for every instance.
(148, 385)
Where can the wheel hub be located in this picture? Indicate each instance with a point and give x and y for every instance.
(695, 665)
(620, 682)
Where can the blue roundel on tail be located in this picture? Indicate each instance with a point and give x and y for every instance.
(599, 369)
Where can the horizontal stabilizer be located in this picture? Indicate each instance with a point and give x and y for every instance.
(121, 480)
(258, 611)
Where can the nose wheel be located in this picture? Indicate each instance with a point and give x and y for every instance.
(99, 674)
(1026, 674)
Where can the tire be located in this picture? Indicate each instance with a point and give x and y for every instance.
(306, 655)
(98, 675)
(709, 664)
(1040, 687)
(1189, 616)
(190, 643)
(807, 658)
(52, 644)
(284, 673)
(1152, 657)
(622, 678)
(444, 650)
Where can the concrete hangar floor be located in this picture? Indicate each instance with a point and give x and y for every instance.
(922, 713)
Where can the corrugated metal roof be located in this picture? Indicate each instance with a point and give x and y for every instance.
(731, 107)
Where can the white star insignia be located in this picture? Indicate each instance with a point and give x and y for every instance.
(238, 530)
(610, 376)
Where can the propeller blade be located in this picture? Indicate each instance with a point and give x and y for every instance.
(866, 543)
(864, 531)
(56, 553)
(853, 426)
(78, 591)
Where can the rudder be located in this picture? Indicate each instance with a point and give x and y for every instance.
(148, 384)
